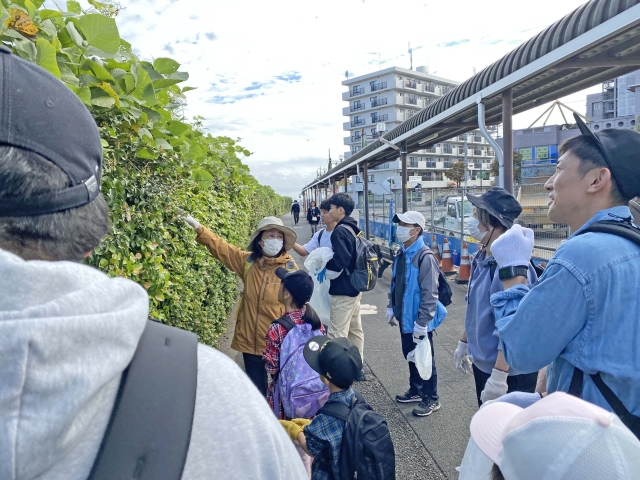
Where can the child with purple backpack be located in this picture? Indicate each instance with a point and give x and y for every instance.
(295, 390)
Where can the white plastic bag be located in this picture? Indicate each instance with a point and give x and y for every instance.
(320, 301)
(421, 356)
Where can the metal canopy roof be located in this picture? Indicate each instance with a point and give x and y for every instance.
(596, 42)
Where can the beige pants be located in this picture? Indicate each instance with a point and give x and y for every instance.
(345, 320)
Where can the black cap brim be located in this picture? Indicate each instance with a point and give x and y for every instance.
(312, 350)
(479, 202)
(281, 273)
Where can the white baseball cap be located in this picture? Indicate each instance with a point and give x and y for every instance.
(560, 437)
(411, 217)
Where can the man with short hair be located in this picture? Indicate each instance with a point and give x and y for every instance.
(321, 238)
(295, 210)
(345, 300)
(581, 318)
(68, 332)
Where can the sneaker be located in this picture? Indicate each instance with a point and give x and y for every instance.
(426, 408)
(408, 397)
(361, 377)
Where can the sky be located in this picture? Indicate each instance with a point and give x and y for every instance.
(270, 73)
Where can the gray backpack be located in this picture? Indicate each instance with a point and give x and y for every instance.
(365, 273)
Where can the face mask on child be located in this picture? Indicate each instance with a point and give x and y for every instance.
(272, 247)
(403, 234)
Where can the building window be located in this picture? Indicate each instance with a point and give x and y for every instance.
(448, 148)
(461, 150)
(413, 162)
(371, 179)
(356, 90)
(446, 164)
(358, 179)
(431, 164)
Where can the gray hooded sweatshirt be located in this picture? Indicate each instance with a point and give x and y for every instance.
(67, 332)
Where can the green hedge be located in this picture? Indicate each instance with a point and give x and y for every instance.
(156, 163)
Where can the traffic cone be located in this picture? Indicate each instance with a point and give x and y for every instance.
(448, 268)
(465, 266)
(436, 251)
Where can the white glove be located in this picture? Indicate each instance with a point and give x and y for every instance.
(461, 356)
(495, 387)
(514, 247)
(192, 222)
(419, 330)
(391, 318)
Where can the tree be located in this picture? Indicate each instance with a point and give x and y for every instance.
(517, 167)
(456, 172)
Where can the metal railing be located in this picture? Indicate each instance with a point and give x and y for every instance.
(378, 102)
(378, 86)
(357, 106)
(430, 88)
(410, 101)
(437, 211)
(356, 91)
(379, 118)
(410, 84)
(357, 123)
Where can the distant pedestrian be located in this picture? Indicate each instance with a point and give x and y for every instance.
(581, 318)
(295, 210)
(313, 217)
(259, 304)
(494, 213)
(413, 302)
(345, 300)
(322, 238)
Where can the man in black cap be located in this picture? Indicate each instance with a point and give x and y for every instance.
(582, 317)
(68, 332)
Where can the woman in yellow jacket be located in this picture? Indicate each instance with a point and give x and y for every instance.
(256, 266)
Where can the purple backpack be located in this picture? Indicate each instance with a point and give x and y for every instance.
(299, 386)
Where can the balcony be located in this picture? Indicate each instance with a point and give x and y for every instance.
(410, 84)
(477, 151)
(447, 149)
(410, 100)
(356, 138)
(378, 102)
(608, 107)
(379, 118)
(356, 91)
(378, 86)
(357, 107)
(430, 164)
(462, 151)
(610, 85)
(477, 139)
(607, 95)
(358, 123)
(430, 88)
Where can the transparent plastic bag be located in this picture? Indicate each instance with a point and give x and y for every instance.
(421, 356)
(316, 264)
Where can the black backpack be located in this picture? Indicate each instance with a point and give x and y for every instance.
(632, 422)
(367, 450)
(365, 273)
(445, 295)
(150, 427)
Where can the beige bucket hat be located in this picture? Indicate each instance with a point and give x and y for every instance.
(267, 223)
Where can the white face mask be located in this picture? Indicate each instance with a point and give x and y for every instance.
(403, 234)
(272, 246)
(473, 226)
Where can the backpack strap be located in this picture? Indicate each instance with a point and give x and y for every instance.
(631, 421)
(150, 427)
(336, 409)
(286, 321)
(320, 235)
(621, 229)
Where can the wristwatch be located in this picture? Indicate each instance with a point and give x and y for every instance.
(509, 272)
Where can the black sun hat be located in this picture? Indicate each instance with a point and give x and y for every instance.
(40, 114)
(621, 150)
(336, 358)
(499, 203)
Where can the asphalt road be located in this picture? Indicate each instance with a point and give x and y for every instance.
(428, 447)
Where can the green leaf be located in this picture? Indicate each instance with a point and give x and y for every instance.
(76, 38)
(172, 79)
(147, 154)
(101, 32)
(110, 91)
(74, 7)
(47, 56)
(104, 143)
(98, 71)
(165, 66)
(31, 8)
(153, 75)
(246, 152)
(105, 102)
(49, 28)
(46, 14)
(188, 89)
(162, 144)
(202, 178)
(143, 132)
(26, 49)
(177, 128)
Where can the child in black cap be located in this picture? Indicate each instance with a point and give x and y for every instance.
(295, 292)
(338, 362)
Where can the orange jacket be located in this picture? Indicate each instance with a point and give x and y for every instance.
(259, 306)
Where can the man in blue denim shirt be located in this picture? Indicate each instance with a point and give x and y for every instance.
(585, 310)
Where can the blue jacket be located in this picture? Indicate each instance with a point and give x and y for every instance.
(479, 321)
(420, 300)
(584, 311)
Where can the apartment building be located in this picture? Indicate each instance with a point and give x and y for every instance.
(391, 96)
(615, 106)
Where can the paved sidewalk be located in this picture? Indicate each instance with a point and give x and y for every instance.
(426, 448)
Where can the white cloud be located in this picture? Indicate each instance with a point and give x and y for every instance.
(270, 72)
